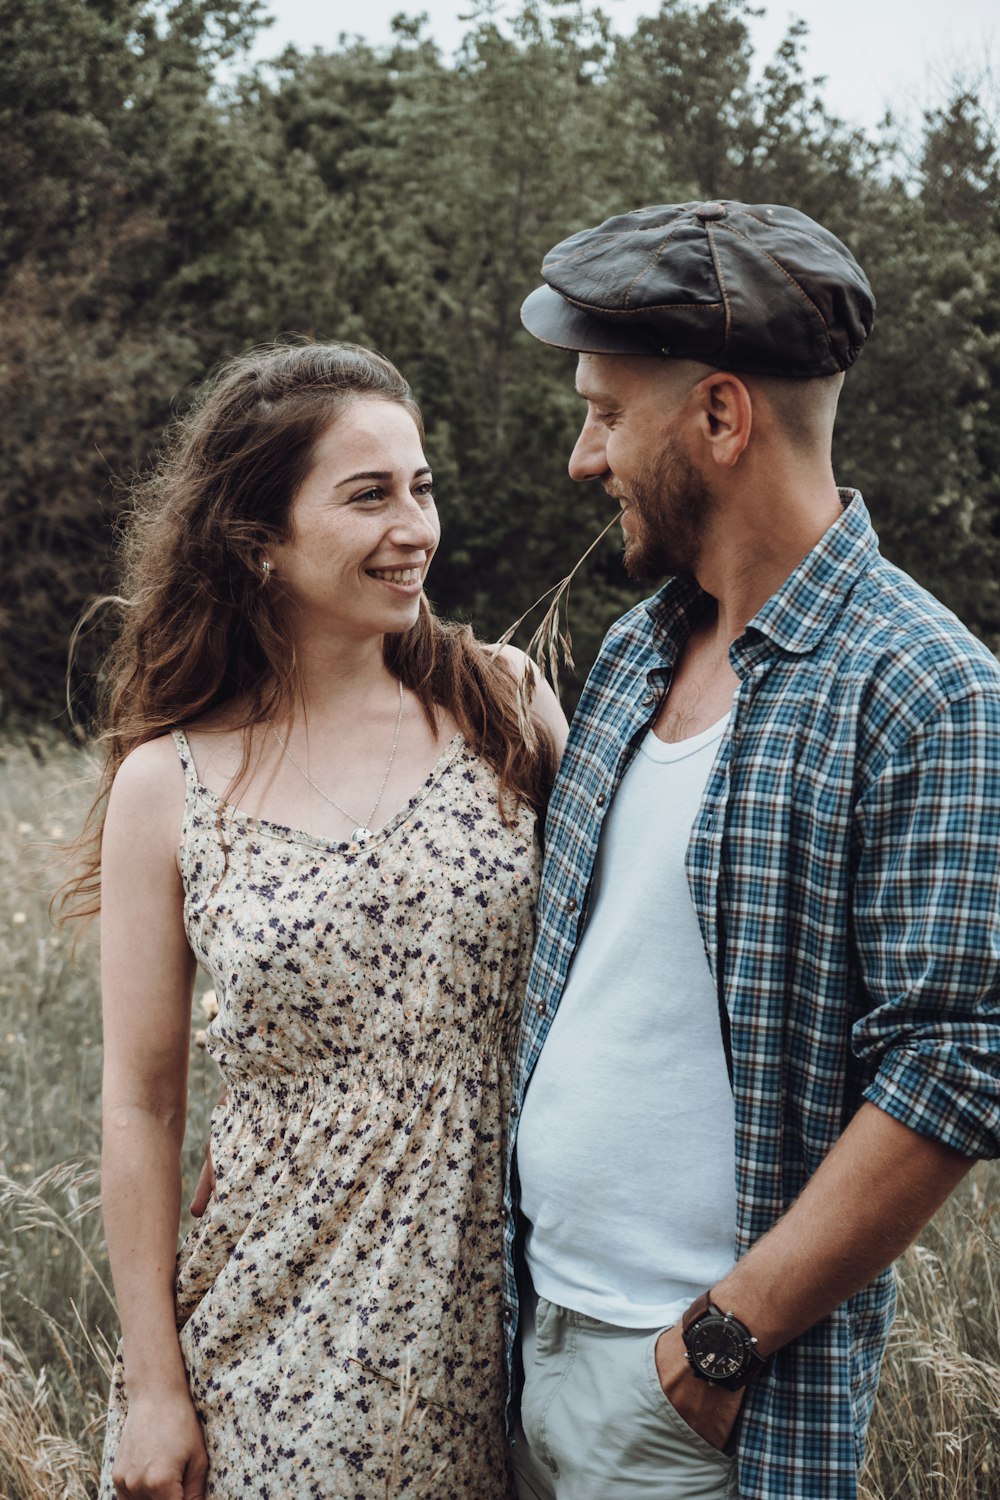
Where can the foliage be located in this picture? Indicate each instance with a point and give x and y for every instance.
(155, 219)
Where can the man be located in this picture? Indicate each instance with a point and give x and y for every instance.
(760, 1039)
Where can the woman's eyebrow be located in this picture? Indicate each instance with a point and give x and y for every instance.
(383, 476)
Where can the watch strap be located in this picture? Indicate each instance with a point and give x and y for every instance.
(698, 1309)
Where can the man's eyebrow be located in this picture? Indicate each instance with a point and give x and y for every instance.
(380, 476)
(588, 386)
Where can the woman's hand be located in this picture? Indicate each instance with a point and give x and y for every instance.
(161, 1455)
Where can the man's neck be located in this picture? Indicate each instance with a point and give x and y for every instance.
(756, 548)
(753, 551)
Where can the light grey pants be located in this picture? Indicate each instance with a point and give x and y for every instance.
(595, 1424)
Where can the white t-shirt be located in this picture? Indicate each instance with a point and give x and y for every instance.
(626, 1142)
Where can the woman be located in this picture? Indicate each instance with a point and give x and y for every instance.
(329, 800)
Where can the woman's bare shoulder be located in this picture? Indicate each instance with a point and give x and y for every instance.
(544, 703)
(155, 765)
(147, 797)
(150, 767)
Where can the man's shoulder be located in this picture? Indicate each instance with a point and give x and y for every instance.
(894, 623)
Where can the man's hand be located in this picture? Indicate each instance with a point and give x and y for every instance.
(206, 1184)
(709, 1409)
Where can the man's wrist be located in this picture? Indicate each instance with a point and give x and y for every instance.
(720, 1348)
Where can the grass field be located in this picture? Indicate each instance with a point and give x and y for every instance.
(936, 1434)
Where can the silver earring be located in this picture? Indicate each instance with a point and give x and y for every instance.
(265, 568)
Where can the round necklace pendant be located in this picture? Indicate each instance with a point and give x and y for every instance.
(361, 833)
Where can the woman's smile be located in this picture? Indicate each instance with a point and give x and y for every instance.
(406, 578)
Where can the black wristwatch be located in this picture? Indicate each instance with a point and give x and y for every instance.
(720, 1349)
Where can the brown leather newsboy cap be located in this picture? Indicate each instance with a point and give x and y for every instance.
(756, 288)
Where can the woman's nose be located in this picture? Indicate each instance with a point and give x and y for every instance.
(417, 525)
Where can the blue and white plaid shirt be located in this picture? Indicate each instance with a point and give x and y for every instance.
(845, 868)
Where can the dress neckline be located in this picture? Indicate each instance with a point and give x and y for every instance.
(301, 835)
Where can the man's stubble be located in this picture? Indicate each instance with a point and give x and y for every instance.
(669, 507)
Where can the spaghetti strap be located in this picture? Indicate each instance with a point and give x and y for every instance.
(186, 759)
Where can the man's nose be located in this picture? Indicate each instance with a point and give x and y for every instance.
(589, 459)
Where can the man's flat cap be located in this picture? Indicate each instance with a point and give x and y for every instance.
(754, 288)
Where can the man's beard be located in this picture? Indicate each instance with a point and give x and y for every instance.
(669, 508)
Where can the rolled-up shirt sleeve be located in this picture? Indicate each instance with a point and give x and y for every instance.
(926, 906)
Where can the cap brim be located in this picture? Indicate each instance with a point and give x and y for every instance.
(553, 320)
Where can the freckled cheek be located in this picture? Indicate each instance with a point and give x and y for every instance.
(436, 526)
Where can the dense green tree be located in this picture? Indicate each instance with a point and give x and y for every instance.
(128, 211)
(158, 212)
(921, 429)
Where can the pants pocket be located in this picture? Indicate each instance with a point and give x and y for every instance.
(549, 1350)
(673, 1422)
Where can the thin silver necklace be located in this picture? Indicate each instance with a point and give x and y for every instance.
(363, 830)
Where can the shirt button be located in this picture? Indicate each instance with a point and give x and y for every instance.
(648, 699)
(601, 799)
(571, 904)
(508, 1314)
(541, 1008)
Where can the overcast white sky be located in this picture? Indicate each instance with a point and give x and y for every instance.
(875, 53)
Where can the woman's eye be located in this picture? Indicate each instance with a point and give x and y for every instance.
(375, 494)
(425, 490)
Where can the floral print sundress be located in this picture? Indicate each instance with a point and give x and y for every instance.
(339, 1303)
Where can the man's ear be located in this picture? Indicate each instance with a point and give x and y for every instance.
(725, 417)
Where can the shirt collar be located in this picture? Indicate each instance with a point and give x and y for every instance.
(802, 610)
(673, 612)
(799, 614)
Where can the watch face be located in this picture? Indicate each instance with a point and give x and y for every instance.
(718, 1348)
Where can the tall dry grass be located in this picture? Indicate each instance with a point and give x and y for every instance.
(58, 1325)
(936, 1434)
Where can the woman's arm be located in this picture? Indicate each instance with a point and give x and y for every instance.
(147, 977)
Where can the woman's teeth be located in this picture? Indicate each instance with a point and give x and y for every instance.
(396, 575)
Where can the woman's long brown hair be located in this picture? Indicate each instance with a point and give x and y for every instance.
(200, 624)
